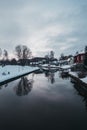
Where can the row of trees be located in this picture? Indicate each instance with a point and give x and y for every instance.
(23, 54)
(64, 57)
(21, 51)
(4, 53)
(50, 55)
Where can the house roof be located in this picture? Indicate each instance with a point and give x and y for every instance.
(80, 52)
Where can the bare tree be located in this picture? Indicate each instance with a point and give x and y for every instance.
(22, 52)
(5, 54)
(26, 52)
(47, 56)
(52, 54)
(18, 51)
(61, 56)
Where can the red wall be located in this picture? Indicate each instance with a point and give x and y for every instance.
(79, 58)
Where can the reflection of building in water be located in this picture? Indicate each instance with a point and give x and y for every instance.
(24, 86)
(50, 76)
(82, 91)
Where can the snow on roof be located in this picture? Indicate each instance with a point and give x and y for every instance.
(80, 52)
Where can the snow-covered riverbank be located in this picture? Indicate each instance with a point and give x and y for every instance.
(74, 74)
(12, 71)
(84, 80)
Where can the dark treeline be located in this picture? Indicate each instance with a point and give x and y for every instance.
(32, 61)
(24, 57)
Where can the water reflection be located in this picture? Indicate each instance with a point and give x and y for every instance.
(51, 103)
(61, 75)
(24, 86)
(50, 76)
(82, 91)
(2, 86)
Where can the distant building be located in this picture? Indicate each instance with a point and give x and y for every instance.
(63, 62)
(79, 57)
(71, 60)
(42, 60)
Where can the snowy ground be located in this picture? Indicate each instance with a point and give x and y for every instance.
(11, 71)
(84, 80)
(65, 67)
(75, 74)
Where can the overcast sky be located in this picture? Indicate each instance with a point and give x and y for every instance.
(44, 25)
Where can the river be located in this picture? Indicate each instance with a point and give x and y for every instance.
(45, 101)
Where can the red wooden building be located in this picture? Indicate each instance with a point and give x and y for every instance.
(79, 57)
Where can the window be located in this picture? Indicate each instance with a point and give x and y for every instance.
(81, 58)
(77, 58)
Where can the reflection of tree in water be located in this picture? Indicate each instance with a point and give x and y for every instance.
(50, 76)
(82, 91)
(2, 86)
(24, 86)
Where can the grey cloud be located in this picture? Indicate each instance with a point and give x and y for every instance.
(22, 19)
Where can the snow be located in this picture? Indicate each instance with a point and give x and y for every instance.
(49, 65)
(45, 65)
(11, 71)
(73, 73)
(84, 80)
(66, 67)
(80, 52)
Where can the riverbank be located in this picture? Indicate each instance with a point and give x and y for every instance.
(78, 77)
(9, 73)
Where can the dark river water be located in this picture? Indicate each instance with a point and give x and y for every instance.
(43, 101)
